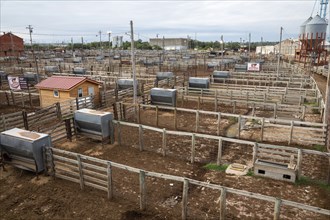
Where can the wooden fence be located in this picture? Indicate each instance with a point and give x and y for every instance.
(252, 96)
(51, 120)
(182, 149)
(19, 98)
(279, 110)
(108, 176)
(290, 131)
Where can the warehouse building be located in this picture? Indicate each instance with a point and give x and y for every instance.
(170, 43)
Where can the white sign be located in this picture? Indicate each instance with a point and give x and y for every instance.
(255, 67)
(14, 83)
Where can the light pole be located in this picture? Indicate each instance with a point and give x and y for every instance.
(109, 34)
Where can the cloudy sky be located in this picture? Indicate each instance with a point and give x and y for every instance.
(60, 20)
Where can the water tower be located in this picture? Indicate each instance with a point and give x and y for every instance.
(312, 39)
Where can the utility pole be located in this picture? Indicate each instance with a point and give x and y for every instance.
(249, 46)
(133, 65)
(100, 34)
(72, 47)
(222, 51)
(261, 48)
(109, 34)
(279, 53)
(33, 55)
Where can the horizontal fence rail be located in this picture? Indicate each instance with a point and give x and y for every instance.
(297, 132)
(99, 174)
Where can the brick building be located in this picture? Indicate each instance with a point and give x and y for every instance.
(11, 45)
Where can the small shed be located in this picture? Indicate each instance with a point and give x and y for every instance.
(61, 88)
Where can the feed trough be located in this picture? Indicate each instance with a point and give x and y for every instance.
(24, 149)
(161, 96)
(94, 124)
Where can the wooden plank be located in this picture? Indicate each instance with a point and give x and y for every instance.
(80, 172)
(192, 158)
(109, 178)
(277, 209)
(140, 138)
(219, 152)
(143, 195)
(164, 142)
(223, 204)
(185, 198)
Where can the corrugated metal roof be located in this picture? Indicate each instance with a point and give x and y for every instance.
(62, 82)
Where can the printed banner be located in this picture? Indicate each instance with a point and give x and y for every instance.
(255, 67)
(14, 83)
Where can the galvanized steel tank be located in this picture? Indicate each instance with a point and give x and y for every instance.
(125, 83)
(51, 69)
(164, 75)
(24, 149)
(160, 96)
(79, 70)
(220, 74)
(303, 26)
(198, 82)
(93, 122)
(316, 28)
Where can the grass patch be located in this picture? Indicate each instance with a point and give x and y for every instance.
(318, 147)
(213, 166)
(250, 173)
(233, 120)
(307, 181)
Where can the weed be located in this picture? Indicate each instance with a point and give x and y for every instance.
(233, 120)
(212, 166)
(307, 181)
(250, 173)
(318, 147)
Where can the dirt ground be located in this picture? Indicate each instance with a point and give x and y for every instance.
(59, 199)
(23, 196)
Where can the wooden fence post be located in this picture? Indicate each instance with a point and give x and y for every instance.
(115, 112)
(291, 132)
(262, 129)
(109, 177)
(44, 153)
(58, 110)
(140, 138)
(175, 119)
(299, 160)
(164, 142)
(13, 97)
(193, 137)
(219, 125)
(68, 129)
(139, 113)
(81, 177)
(142, 190)
(185, 198)
(77, 103)
(277, 209)
(156, 115)
(198, 102)
(234, 107)
(223, 204)
(255, 153)
(275, 110)
(239, 126)
(216, 101)
(197, 121)
(219, 152)
(25, 120)
(118, 133)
